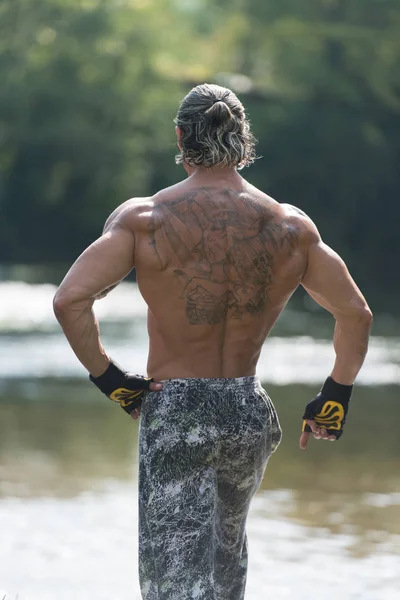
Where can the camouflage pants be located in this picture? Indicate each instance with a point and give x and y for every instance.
(203, 448)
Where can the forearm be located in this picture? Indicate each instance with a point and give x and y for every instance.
(351, 345)
(81, 329)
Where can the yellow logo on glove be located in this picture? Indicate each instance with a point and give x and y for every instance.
(123, 395)
(331, 415)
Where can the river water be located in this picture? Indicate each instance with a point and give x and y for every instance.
(325, 521)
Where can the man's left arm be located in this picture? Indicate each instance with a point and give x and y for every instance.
(100, 268)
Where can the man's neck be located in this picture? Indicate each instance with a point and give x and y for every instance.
(212, 173)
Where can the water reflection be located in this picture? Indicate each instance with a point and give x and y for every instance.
(68, 441)
(68, 461)
(71, 439)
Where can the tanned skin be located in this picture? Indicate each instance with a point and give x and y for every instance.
(216, 261)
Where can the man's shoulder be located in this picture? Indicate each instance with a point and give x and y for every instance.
(281, 209)
(291, 209)
(294, 212)
(126, 213)
(298, 217)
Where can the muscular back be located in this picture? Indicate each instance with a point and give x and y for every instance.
(216, 261)
(216, 265)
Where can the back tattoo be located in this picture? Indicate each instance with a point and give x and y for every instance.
(223, 245)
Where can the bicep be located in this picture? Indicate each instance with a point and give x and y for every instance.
(101, 266)
(329, 282)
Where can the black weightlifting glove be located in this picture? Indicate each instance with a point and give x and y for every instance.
(122, 387)
(329, 408)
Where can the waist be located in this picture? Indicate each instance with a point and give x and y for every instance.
(248, 383)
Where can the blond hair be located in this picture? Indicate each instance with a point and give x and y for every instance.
(214, 128)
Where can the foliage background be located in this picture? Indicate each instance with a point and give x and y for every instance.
(89, 90)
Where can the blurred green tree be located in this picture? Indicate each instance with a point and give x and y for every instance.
(83, 116)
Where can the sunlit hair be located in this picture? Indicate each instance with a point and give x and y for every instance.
(215, 131)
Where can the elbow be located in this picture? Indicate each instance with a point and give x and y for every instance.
(359, 316)
(364, 317)
(66, 301)
(368, 317)
(61, 304)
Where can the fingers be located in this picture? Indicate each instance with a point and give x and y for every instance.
(155, 386)
(135, 414)
(319, 433)
(306, 432)
(326, 436)
(304, 439)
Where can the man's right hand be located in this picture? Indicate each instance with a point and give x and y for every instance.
(124, 388)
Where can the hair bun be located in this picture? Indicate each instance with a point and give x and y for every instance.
(219, 112)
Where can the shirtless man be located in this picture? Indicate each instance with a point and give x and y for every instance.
(216, 260)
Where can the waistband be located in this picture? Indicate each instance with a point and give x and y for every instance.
(249, 382)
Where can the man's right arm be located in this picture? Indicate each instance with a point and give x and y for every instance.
(330, 284)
